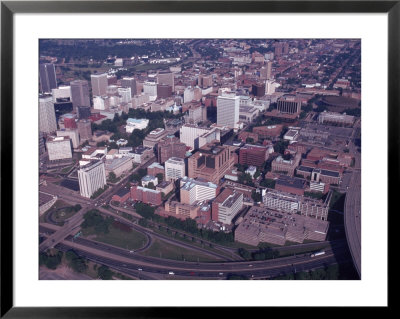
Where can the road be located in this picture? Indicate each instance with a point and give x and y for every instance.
(352, 208)
(131, 263)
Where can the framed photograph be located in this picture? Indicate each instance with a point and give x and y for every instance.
(196, 154)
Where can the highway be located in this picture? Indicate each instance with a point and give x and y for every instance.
(129, 262)
(352, 208)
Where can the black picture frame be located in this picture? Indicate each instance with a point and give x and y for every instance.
(9, 8)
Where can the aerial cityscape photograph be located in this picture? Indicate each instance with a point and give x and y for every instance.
(199, 159)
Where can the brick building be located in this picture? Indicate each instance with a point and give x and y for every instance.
(211, 162)
(290, 185)
(268, 131)
(146, 195)
(281, 165)
(169, 147)
(254, 155)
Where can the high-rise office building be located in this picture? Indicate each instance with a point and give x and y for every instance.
(228, 110)
(99, 84)
(48, 81)
(166, 78)
(83, 112)
(80, 93)
(289, 104)
(174, 168)
(197, 190)
(47, 114)
(92, 177)
(211, 162)
(269, 70)
(129, 83)
(58, 148)
(170, 147)
(85, 129)
(42, 148)
(73, 134)
(125, 94)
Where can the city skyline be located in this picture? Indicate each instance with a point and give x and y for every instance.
(159, 155)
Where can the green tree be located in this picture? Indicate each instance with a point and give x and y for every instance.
(104, 273)
(256, 196)
(244, 253)
(76, 263)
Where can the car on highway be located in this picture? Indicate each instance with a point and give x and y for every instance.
(171, 273)
(221, 273)
(140, 269)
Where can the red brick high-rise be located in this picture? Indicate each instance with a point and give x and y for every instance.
(254, 155)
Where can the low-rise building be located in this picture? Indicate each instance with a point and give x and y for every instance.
(155, 169)
(165, 187)
(146, 195)
(193, 190)
(146, 180)
(118, 166)
(136, 124)
(269, 131)
(264, 225)
(226, 206)
(154, 137)
(122, 195)
(290, 185)
(291, 203)
(281, 165)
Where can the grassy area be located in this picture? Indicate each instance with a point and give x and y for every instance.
(161, 249)
(189, 241)
(118, 237)
(58, 204)
(66, 169)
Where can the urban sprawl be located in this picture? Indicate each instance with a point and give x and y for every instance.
(231, 151)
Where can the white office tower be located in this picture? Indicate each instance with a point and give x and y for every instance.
(125, 95)
(47, 115)
(101, 103)
(196, 136)
(73, 134)
(270, 86)
(188, 95)
(62, 92)
(99, 84)
(196, 190)
(58, 148)
(92, 177)
(174, 168)
(228, 110)
(150, 88)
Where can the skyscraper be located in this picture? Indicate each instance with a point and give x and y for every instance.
(166, 78)
(92, 177)
(48, 81)
(80, 93)
(129, 83)
(85, 129)
(228, 110)
(99, 84)
(47, 114)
